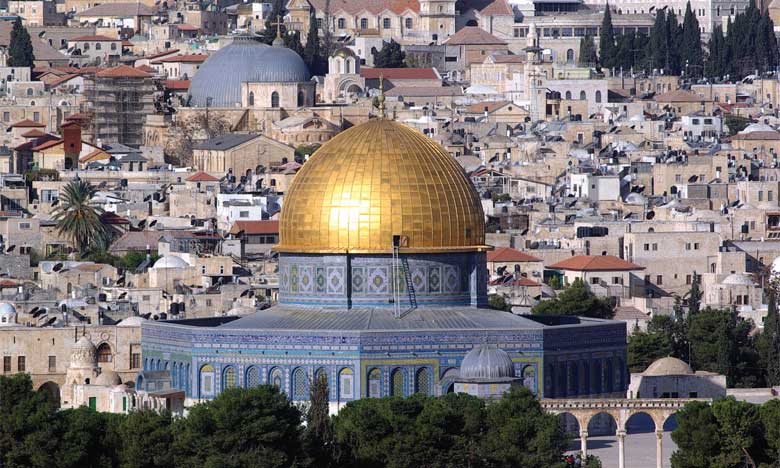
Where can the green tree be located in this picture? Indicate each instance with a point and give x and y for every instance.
(269, 435)
(390, 56)
(673, 35)
(27, 424)
(607, 48)
(588, 56)
(318, 436)
(714, 65)
(694, 295)
(740, 438)
(578, 300)
(276, 15)
(769, 413)
(146, 437)
(87, 438)
(769, 340)
(658, 40)
(20, 49)
(312, 52)
(499, 302)
(691, 54)
(77, 219)
(645, 348)
(697, 436)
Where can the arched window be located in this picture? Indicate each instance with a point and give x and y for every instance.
(363, 23)
(252, 378)
(386, 23)
(275, 377)
(374, 383)
(341, 23)
(583, 96)
(346, 383)
(113, 46)
(598, 96)
(529, 378)
(29, 91)
(321, 373)
(397, 383)
(422, 381)
(570, 56)
(568, 95)
(206, 380)
(98, 46)
(229, 377)
(300, 390)
(348, 65)
(301, 99)
(408, 23)
(274, 99)
(251, 98)
(104, 353)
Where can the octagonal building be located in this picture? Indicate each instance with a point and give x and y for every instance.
(382, 288)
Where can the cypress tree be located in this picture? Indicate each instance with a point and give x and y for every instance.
(673, 33)
(691, 55)
(658, 39)
(770, 340)
(390, 56)
(607, 46)
(714, 65)
(20, 50)
(311, 51)
(588, 55)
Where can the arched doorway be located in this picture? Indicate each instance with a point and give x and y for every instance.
(602, 424)
(52, 392)
(640, 423)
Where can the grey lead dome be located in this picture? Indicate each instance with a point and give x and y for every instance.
(486, 362)
(244, 60)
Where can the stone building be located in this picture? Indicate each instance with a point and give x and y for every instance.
(672, 378)
(241, 154)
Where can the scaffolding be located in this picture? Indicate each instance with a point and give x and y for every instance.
(118, 106)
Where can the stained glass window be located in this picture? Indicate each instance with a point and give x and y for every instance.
(422, 381)
(229, 378)
(398, 383)
(252, 377)
(207, 380)
(374, 383)
(300, 390)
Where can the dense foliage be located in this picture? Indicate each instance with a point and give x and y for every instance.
(390, 56)
(727, 434)
(577, 299)
(20, 49)
(749, 45)
(78, 220)
(260, 427)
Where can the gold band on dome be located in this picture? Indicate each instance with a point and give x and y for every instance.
(377, 180)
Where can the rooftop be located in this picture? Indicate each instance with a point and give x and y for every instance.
(225, 142)
(595, 263)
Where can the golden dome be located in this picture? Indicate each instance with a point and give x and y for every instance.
(377, 180)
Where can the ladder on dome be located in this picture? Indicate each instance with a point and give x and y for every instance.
(401, 266)
(409, 285)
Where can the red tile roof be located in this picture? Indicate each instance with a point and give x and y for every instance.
(497, 8)
(595, 263)
(61, 79)
(76, 117)
(472, 35)
(177, 85)
(123, 71)
(147, 69)
(507, 254)
(189, 58)
(201, 176)
(400, 73)
(26, 123)
(34, 133)
(47, 144)
(187, 27)
(256, 227)
(93, 38)
(160, 54)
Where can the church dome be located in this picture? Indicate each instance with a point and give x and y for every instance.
(7, 314)
(486, 362)
(377, 180)
(217, 82)
(343, 52)
(83, 353)
(668, 366)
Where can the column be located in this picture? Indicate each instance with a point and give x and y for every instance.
(584, 444)
(621, 436)
(659, 452)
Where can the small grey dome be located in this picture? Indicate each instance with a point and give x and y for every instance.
(108, 378)
(487, 362)
(170, 261)
(217, 82)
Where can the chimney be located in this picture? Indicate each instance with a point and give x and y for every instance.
(71, 133)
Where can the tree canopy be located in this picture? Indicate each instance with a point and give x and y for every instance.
(77, 219)
(20, 49)
(390, 56)
(579, 300)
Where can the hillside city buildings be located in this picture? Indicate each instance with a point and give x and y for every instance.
(272, 221)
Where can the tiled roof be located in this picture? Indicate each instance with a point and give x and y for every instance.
(507, 58)
(123, 9)
(595, 263)
(497, 8)
(507, 254)
(375, 7)
(481, 107)
(78, 116)
(123, 71)
(472, 35)
(47, 145)
(96, 155)
(34, 133)
(188, 58)
(759, 135)
(136, 240)
(424, 91)
(224, 142)
(61, 79)
(399, 73)
(27, 123)
(160, 54)
(627, 313)
(187, 27)
(147, 69)
(177, 85)
(256, 227)
(201, 176)
(94, 38)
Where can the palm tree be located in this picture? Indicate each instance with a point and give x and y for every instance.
(77, 219)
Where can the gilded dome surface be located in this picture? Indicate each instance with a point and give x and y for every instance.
(377, 180)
